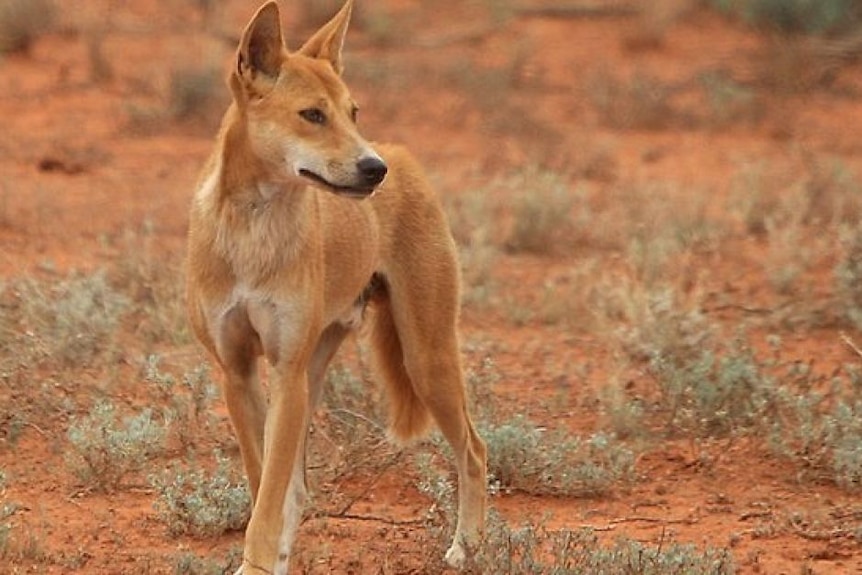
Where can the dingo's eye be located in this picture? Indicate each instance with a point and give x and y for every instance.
(313, 115)
(354, 111)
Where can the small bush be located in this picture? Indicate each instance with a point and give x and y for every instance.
(823, 432)
(536, 550)
(661, 324)
(711, 394)
(192, 501)
(185, 404)
(155, 287)
(187, 563)
(729, 101)
(351, 424)
(473, 222)
(542, 211)
(17, 543)
(527, 458)
(848, 275)
(441, 515)
(21, 21)
(69, 322)
(103, 451)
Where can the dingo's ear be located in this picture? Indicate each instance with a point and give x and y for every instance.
(260, 49)
(327, 42)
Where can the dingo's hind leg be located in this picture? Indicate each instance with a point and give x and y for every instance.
(417, 345)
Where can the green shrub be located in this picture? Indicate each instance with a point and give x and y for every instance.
(659, 323)
(352, 430)
(822, 432)
(542, 211)
(187, 563)
(848, 275)
(193, 501)
(186, 405)
(536, 550)
(70, 322)
(155, 287)
(104, 450)
(527, 458)
(711, 394)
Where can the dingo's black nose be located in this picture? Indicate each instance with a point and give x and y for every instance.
(372, 170)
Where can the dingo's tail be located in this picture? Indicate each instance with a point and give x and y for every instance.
(409, 418)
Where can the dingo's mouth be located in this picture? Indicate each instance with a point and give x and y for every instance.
(348, 191)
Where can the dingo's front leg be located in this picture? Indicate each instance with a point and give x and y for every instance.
(288, 330)
(238, 352)
(278, 509)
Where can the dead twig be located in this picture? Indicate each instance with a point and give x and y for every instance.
(755, 515)
(645, 519)
(595, 528)
(846, 339)
(344, 511)
(370, 518)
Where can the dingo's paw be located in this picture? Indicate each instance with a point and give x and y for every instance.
(456, 555)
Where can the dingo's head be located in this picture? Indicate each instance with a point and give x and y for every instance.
(297, 112)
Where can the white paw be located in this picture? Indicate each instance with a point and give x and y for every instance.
(456, 555)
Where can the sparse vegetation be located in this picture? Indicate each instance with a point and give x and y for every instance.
(542, 211)
(194, 501)
(348, 439)
(153, 283)
(104, 447)
(822, 431)
(535, 549)
(471, 217)
(848, 275)
(67, 322)
(528, 458)
(187, 563)
(185, 404)
(706, 394)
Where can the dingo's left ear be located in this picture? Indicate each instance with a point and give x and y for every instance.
(327, 42)
(261, 47)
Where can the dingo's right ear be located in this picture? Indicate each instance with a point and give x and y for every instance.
(261, 48)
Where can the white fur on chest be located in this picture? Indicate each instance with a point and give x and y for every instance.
(279, 323)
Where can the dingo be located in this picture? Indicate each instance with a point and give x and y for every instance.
(288, 242)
